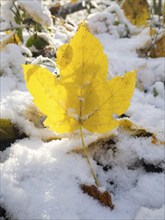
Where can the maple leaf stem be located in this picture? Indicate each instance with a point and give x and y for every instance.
(87, 158)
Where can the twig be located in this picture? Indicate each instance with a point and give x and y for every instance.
(12, 28)
(68, 8)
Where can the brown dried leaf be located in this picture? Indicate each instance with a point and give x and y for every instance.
(95, 145)
(156, 141)
(154, 48)
(7, 130)
(129, 126)
(103, 197)
(9, 133)
(135, 130)
(35, 116)
(159, 48)
(55, 8)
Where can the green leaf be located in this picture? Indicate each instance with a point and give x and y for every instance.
(39, 28)
(20, 35)
(36, 41)
(17, 19)
(155, 92)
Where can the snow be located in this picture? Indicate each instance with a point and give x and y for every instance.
(41, 179)
(16, 107)
(147, 111)
(37, 11)
(112, 21)
(6, 12)
(11, 60)
(150, 214)
(55, 193)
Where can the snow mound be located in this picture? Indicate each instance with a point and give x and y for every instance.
(151, 214)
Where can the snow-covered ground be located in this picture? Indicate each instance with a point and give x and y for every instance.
(41, 180)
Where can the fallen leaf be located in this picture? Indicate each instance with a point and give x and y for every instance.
(11, 37)
(7, 130)
(137, 11)
(154, 47)
(34, 116)
(14, 38)
(103, 197)
(95, 145)
(8, 133)
(156, 141)
(158, 49)
(138, 131)
(129, 126)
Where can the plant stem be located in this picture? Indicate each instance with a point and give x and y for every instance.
(87, 158)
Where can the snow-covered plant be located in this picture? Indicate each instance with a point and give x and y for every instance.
(32, 16)
(113, 21)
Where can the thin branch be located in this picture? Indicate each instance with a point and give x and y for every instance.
(68, 8)
(13, 28)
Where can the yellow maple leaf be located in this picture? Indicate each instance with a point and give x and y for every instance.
(82, 97)
(137, 11)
